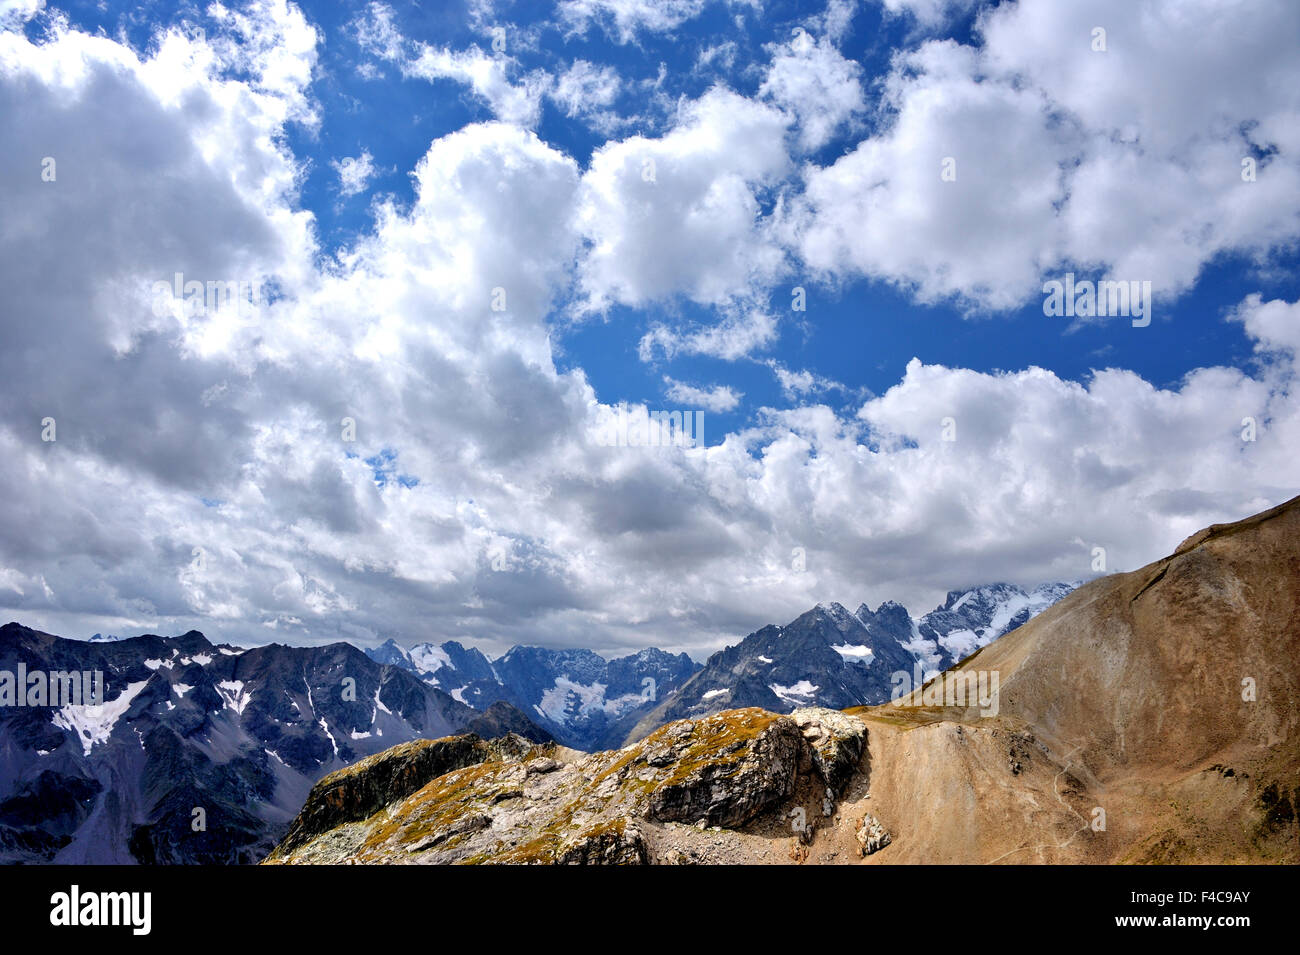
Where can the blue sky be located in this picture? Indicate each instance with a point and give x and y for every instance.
(378, 169)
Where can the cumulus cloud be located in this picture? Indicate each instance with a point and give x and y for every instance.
(1274, 326)
(810, 78)
(677, 215)
(1032, 152)
(354, 172)
(16, 12)
(719, 398)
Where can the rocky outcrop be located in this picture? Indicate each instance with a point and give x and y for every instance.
(615, 843)
(836, 740)
(502, 719)
(465, 800)
(715, 773)
(871, 835)
(365, 787)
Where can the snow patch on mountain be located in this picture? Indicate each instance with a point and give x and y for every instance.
(429, 658)
(93, 724)
(801, 694)
(333, 742)
(233, 695)
(925, 650)
(960, 643)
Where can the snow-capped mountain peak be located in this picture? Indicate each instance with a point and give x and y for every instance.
(830, 657)
(584, 700)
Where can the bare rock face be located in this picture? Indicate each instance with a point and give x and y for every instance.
(617, 843)
(720, 774)
(364, 788)
(871, 835)
(1115, 706)
(837, 741)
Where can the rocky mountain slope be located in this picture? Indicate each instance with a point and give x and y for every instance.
(198, 752)
(830, 657)
(1151, 716)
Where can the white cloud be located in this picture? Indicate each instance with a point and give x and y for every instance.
(929, 13)
(677, 215)
(377, 33)
(487, 74)
(1126, 161)
(354, 172)
(802, 383)
(812, 80)
(272, 41)
(738, 333)
(1274, 326)
(884, 210)
(628, 17)
(836, 19)
(719, 398)
(17, 12)
(623, 20)
(719, 56)
(587, 91)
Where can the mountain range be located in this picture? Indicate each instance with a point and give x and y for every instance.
(199, 752)
(827, 656)
(830, 657)
(203, 752)
(584, 700)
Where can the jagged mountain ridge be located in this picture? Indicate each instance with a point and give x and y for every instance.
(581, 698)
(826, 656)
(830, 657)
(240, 733)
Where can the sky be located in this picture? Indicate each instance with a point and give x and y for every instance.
(467, 240)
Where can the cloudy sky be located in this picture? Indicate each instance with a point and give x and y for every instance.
(475, 233)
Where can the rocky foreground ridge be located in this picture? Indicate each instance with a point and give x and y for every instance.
(671, 797)
(1149, 717)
